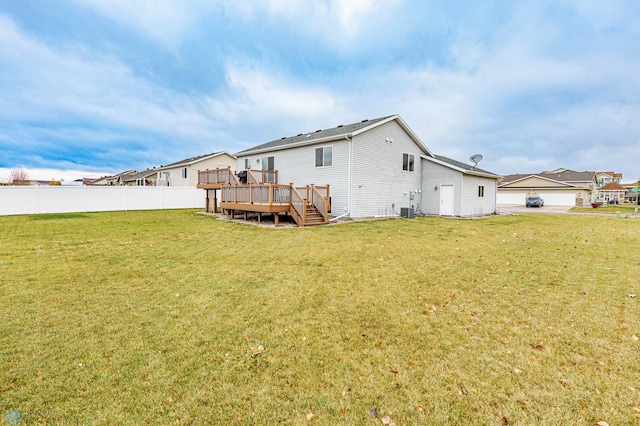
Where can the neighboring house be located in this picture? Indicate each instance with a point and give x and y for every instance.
(630, 195)
(115, 180)
(376, 168)
(612, 193)
(185, 172)
(605, 178)
(560, 187)
(148, 177)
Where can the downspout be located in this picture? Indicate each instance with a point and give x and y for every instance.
(350, 176)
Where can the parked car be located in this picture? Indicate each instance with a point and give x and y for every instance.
(535, 202)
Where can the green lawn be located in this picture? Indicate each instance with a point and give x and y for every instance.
(624, 209)
(170, 317)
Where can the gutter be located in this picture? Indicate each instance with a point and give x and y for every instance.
(350, 177)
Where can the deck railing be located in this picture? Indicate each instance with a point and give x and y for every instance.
(256, 194)
(262, 176)
(217, 176)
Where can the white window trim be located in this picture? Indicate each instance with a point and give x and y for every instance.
(314, 156)
(409, 162)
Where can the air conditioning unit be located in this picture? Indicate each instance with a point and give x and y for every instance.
(407, 212)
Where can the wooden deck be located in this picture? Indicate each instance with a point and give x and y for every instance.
(259, 192)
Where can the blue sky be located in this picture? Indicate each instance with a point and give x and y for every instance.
(95, 87)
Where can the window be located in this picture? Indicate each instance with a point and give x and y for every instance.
(247, 163)
(184, 173)
(324, 156)
(267, 163)
(408, 162)
(481, 191)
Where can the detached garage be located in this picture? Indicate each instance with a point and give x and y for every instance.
(560, 187)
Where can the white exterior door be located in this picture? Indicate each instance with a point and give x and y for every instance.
(446, 200)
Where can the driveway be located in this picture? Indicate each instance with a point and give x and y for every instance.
(518, 208)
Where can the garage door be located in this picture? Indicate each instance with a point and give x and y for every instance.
(511, 198)
(558, 199)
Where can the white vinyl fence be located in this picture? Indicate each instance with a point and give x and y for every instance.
(69, 199)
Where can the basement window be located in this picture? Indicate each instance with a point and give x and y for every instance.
(324, 156)
(408, 162)
(481, 191)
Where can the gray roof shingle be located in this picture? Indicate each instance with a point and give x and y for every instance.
(461, 165)
(341, 130)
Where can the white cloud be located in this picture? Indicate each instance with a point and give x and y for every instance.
(46, 85)
(337, 23)
(165, 20)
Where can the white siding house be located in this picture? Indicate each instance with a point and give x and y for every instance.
(185, 172)
(375, 168)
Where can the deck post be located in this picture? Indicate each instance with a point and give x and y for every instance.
(215, 200)
(276, 219)
(270, 194)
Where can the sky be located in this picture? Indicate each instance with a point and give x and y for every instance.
(94, 87)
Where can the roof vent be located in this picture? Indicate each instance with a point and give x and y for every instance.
(364, 121)
(340, 125)
(284, 137)
(319, 130)
(299, 134)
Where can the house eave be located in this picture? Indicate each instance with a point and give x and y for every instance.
(461, 170)
(199, 160)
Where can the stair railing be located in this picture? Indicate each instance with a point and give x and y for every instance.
(298, 206)
(320, 201)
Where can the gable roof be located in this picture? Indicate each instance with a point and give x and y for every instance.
(461, 167)
(612, 186)
(612, 174)
(523, 178)
(139, 175)
(192, 160)
(565, 176)
(334, 133)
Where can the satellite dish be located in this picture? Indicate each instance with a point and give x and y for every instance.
(475, 159)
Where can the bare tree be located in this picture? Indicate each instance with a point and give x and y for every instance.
(19, 177)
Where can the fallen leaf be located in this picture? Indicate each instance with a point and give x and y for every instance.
(419, 407)
(310, 416)
(602, 423)
(505, 421)
(374, 412)
(517, 370)
(394, 371)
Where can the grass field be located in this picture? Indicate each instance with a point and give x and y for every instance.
(624, 209)
(169, 317)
